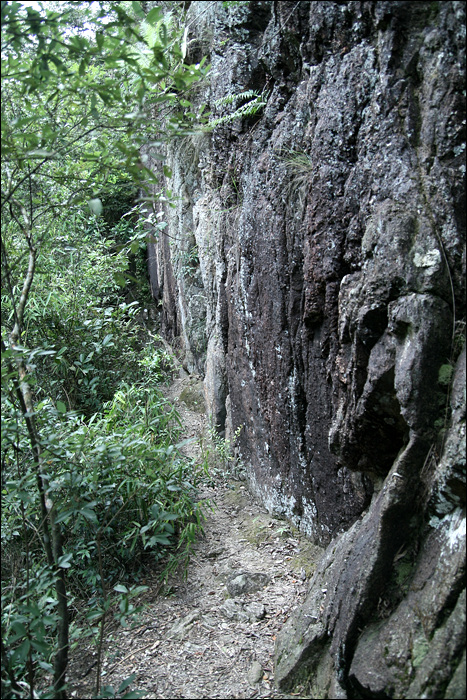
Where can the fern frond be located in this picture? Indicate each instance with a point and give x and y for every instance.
(248, 109)
(152, 32)
(230, 99)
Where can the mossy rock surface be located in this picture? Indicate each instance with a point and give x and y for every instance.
(264, 527)
(193, 396)
(307, 558)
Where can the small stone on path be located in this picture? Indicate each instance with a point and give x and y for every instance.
(234, 610)
(243, 582)
(181, 627)
(255, 673)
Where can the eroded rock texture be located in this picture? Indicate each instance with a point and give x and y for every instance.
(313, 272)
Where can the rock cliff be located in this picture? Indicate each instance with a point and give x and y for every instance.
(312, 271)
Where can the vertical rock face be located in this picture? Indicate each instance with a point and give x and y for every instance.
(312, 271)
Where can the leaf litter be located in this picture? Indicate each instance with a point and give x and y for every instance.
(211, 634)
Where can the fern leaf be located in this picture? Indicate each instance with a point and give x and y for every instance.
(248, 109)
(230, 99)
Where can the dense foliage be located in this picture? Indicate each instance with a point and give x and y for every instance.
(94, 488)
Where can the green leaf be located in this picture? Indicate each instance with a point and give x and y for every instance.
(445, 374)
(41, 646)
(46, 666)
(128, 681)
(138, 12)
(64, 515)
(100, 40)
(119, 279)
(169, 516)
(95, 114)
(61, 407)
(94, 615)
(157, 539)
(40, 153)
(138, 590)
(119, 588)
(107, 339)
(64, 561)
(88, 515)
(20, 629)
(20, 654)
(154, 15)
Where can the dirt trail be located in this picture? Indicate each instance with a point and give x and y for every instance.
(212, 635)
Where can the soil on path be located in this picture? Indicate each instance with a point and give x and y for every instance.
(211, 635)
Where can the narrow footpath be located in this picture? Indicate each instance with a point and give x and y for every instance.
(212, 635)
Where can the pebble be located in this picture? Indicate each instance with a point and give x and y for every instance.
(255, 673)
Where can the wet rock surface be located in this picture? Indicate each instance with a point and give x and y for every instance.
(325, 303)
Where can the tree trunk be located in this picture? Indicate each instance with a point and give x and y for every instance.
(51, 531)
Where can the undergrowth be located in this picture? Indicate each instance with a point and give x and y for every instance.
(218, 455)
(118, 489)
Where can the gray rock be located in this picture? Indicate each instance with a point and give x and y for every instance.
(456, 688)
(314, 272)
(255, 673)
(233, 610)
(293, 285)
(415, 649)
(244, 582)
(182, 626)
(409, 651)
(256, 611)
(237, 610)
(193, 396)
